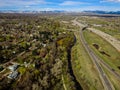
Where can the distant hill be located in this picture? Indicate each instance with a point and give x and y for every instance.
(103, 12)
(62, 11)
(29, 11)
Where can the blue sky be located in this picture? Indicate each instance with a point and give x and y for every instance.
(68, 5)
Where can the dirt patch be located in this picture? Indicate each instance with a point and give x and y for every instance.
(118, 67)
(104, 53)
(96, 46)
(113, 41)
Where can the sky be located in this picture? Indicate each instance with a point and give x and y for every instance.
(67, 5)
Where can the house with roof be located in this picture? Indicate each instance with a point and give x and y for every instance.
(13, 75)
(13, 67)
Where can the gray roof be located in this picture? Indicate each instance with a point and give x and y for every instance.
(14, 67)
(13, 75)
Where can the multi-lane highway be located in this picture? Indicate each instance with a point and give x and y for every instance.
(105, 80)
(105, 65)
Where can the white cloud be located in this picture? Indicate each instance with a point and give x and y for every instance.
(25, 3)
(71, 3)
(110, 1)
(27, 6)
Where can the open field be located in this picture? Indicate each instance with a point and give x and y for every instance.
(83, 67)
(114, 80)
(104, 50)
(110, 39)
(108, 25)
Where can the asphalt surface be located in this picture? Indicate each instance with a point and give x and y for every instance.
(113, 41)
(110, 69)
(105, 80)
(100, 61)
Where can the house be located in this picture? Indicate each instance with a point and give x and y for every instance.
(97, 25)
(13, 75)
(26, 64)
(14, 52)
(13, 67)
(64, 32)
(44, 45)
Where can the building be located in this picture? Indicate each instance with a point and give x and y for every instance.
(13, 67)
(13, 75)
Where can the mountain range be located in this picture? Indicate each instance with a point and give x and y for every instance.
(62, 11)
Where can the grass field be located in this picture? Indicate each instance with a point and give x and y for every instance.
(111, 56)
(108, 25)
(114, 80)
(83, 67)
(115, 33)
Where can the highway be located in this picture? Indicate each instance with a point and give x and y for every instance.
(105, 80)
(109, 68)
(105, 65)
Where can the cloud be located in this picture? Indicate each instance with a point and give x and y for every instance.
(27, 6)
(71, 3)
(4, 3)
(116, 1)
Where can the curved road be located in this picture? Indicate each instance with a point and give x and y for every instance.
(106, 82)
(100, 61)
